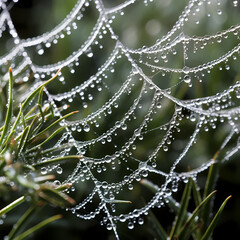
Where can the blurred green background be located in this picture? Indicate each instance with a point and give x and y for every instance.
(139, 26)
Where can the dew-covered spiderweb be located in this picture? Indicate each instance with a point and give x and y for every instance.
(146, 104)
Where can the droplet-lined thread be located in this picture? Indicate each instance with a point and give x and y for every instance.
(148, 103)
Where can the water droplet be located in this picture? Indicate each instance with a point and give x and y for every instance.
(140, 221)
(130, 225)
(174, 52)
(108, 158)
(227, 67)
(122, 218)
(144, 173)
(192, 118)
(90, 54)
(163, 56)
(57, 183)
(137, 132)
(219, 39)
(86, 128)
(48, 44)
(165, 148)
(59, 170)
(40, 51)
(43, 170)
(124, 127)
(235, 3)
(187, 79)
(159, 105)
(237, 92)
(109, 226)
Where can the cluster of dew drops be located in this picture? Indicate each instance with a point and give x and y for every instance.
(134, 217)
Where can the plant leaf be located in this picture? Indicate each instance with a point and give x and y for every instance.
(50, 137)
(10, 108)
(54, 160)
(22, 140)
(53, 124)
(171, 202)
(116, 201)
(54, 196)
(209, 187)
(12, 205)
(17, 227)
(161, 234)
(37, 227)
(40, 96)
(196, 194)
(212, 225)
(183, 210)
(28, 100)
(190, 224)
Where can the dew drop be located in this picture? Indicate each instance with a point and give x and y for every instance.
(124, 127)
(122, 218)
(109, 226)
(237, 93)
(40, 51)
(86, 128)
(187, 79)
(57, 183)
(90, 54)
(130, 225)
(219, 39)
(159, 105)
(43, 170)
(192, 118)
(163, 56)
(59, 170)
(235, 3)
(140, 221)
(165, 148)
(48, 44)
(227, 67)
(108, 158)
(174, 52)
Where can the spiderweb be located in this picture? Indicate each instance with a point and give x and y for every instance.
(143, 110)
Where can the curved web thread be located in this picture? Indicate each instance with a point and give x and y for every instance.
(135, 110)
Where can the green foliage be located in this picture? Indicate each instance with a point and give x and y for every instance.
(38, 126)
(197, 225)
